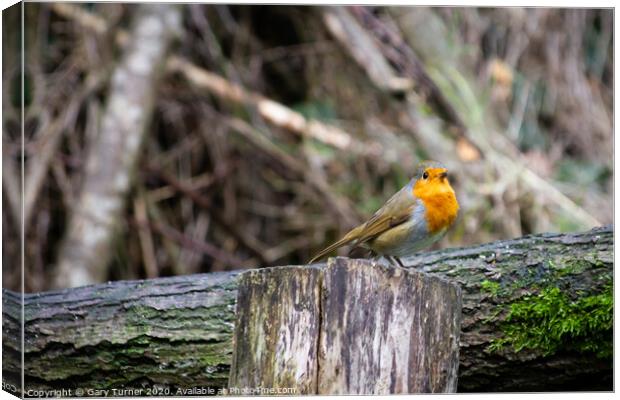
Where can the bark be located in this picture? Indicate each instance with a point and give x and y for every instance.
(112, 155)
(178, 331)
(168, 331)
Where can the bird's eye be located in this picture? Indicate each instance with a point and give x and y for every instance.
(425, 175)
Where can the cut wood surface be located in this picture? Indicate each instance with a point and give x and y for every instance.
(178, 331)
(351, 327)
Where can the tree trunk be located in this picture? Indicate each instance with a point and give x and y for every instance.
(173, 332)
(177, 332)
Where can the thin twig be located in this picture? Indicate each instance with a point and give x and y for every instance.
(190, 243)
(146, 240)
(38, 167)
(253, 135)
(201, 182)
(247, 241)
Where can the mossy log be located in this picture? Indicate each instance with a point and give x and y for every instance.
(513, 332)
(177, 332)
(168, 332)
(351, 327)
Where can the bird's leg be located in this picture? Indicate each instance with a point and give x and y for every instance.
(392, 260)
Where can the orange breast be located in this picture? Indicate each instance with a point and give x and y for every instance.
(441, 211)
(440, 203)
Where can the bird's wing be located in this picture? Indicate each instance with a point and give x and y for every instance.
(395, 211)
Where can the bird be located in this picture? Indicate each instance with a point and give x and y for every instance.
(414, 218)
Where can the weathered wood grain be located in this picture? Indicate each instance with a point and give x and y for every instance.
(277, 330)
(579, 264)
(387, 330)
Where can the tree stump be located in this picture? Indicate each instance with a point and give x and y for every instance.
(351, 327)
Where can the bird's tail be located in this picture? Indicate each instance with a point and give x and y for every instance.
(348, 238)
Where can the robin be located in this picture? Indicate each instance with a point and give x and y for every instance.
(415, 217)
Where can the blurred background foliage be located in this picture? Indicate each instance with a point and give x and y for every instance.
(532, 88)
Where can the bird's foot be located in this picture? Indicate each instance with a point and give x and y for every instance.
(392, 261)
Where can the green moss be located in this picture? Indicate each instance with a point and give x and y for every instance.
(569, 267)
(550, 321)
(574, 266)
(156, 358)
(490, 287)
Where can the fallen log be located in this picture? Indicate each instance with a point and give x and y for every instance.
(176, 333)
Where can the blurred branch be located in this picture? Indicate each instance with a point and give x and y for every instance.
(396, 51)
(197, 229)
(302, 241)
(64, 183)
(335, 204)
(111, 158)
(549, 191)
(200, 182)
(363, 50)
(11, 182)
(146, 240)
(190, 243)
(247, 241)
(272, 111)
(275, 113)
(499, 152)
(422, 97)
(49, 140)
(88, 20)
